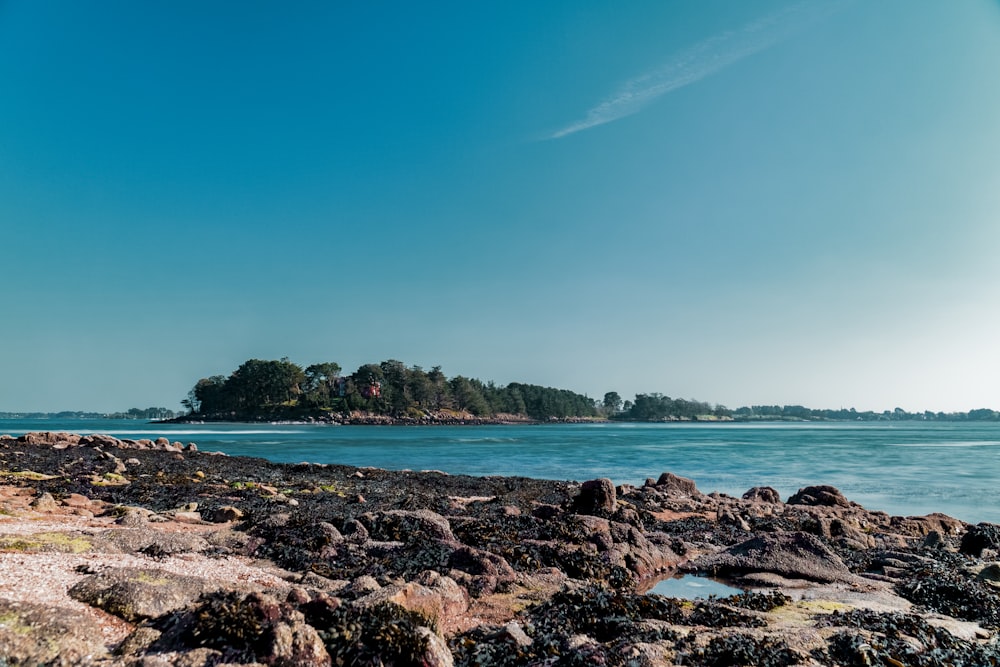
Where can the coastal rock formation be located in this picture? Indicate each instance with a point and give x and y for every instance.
(142, 553)
(792, 555)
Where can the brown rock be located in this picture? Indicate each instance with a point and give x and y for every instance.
(77, 500)
(671, 483)
(596, 497)
(827, 496)
(792, 555)
(225, 514)
(762, 494)
(45, 502)
(441, 600)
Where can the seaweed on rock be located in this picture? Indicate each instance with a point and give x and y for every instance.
(953, 591)
(893, 638)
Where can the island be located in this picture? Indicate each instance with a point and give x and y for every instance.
(152, 552)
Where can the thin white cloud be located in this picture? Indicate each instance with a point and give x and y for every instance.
(701, 60)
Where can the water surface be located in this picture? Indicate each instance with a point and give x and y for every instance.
(904, 468)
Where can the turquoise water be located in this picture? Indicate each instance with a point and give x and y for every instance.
(693, 587)
(904, 468)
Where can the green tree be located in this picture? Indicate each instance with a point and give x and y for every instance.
(320, 382)
(612, 402)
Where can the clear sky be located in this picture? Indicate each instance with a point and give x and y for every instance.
(768, 202)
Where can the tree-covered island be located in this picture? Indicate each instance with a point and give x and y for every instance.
(392, 392)
(388, 392)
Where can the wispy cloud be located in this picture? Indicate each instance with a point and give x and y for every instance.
(701, 60)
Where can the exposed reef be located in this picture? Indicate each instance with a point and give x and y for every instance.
(153, 553)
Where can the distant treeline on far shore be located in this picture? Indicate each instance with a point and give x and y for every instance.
(282, 390)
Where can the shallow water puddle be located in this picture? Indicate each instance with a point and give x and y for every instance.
(693, 587)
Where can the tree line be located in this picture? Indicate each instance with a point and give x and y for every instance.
(260, 388)
(278, 389)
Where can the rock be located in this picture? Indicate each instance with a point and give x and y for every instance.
(32, 634)
(934, 540)
(979, 537)
(45, 502)
(364, 584)
(513, 633)
(137, 642)
(671, 483)
(78, 501)
(255, 626)
(480, 562)
(762, 494)
(436, 653)
(545, 511)
(132, 517)
(296, 644)
(793, 555)
(398, 524)
(188, 517)
(990, 574)
(440, 600)
(596, 497)
(827, 496)
(140, 594)
(225, 514)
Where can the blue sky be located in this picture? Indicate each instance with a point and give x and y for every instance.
(740, 202)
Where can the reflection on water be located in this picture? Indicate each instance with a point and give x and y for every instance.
(693, 587)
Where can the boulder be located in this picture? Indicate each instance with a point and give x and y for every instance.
(762, 494)
(979, 537)
(32, 634)
(399, 524)
(257, 627)
(437, 597)
(827, 496)
(792, 555)
(673, 484)
(596, 497)
(225, 514)
(140, 594)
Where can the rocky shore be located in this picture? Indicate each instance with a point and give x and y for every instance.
(361, 418)
(151, 553)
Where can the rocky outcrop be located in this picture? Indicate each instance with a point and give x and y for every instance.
(403, 568)
(791, 555)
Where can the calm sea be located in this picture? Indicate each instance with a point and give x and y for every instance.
(905, 468)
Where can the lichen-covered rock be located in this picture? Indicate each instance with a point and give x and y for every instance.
(36, 635)
(140, 594)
